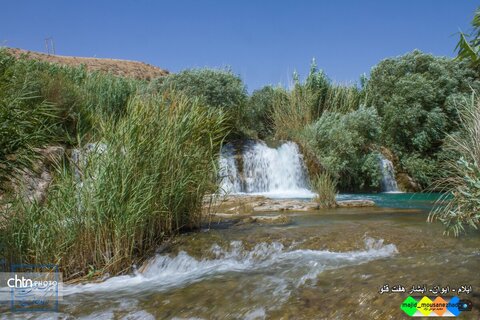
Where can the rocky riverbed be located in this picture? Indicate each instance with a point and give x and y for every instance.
(260, 209)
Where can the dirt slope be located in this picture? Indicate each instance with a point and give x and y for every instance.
(125, 68)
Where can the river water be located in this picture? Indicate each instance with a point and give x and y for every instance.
(329, 264)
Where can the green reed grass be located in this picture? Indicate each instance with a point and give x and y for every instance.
(291, 115)
(308, 101)
(43, 103)
(342, 99)
(159, 162)
(326, 188)
(460, 205)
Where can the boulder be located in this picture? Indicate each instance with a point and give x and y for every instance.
(406, 183)
(80, 156)
(32, 183)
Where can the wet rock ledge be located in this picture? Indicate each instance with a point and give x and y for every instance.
(247, 205)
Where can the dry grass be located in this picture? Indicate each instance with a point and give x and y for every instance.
(123, 68)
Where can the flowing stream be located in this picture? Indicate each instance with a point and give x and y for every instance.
(327, 265)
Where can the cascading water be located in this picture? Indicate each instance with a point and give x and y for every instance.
(279, 171)
(297, 267)
(269, 170)
(388, 183)
(230, 179)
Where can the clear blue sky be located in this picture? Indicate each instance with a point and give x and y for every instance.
(262, 41)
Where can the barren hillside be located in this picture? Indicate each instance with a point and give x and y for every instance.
(125, 68)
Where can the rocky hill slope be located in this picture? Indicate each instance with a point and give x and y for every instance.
(124, 68)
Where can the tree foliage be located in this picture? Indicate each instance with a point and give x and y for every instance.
(261, 107)
(416, 96)
(214, 88)
(345, 145)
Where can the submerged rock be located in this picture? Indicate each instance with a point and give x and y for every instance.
(246, 205)
(355, 203)
(275, 219)
(285, 205)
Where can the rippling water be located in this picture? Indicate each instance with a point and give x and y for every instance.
(326, 265)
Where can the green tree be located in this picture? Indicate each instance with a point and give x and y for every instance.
(260, 109)
(416, 96)
(214, 88)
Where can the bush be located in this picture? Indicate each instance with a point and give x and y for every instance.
(345, 144)
(260, 110)
(218, 89)
(148, 183)
(423, 170)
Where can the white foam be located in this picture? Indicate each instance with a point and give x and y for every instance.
(273, 172)
(295, 267)
(287, 194)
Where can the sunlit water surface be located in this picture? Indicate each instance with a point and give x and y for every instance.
(325, 265)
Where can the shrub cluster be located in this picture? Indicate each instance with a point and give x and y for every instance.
(346, 145)
(162, 139)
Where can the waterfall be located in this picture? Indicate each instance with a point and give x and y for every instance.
(273, 170)
(388, 183)
(279, 171)
(229, 177)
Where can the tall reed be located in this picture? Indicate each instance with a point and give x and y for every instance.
(326, 188)
(144, 180)
(43, 103)
(342, 99)
(291, 115)
(26, 120)
(460, 205)
(308, 101)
